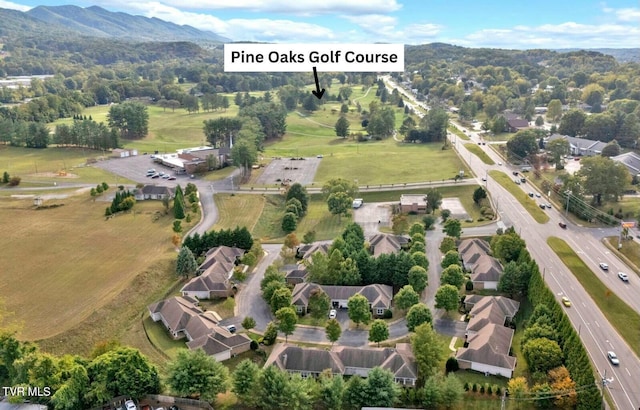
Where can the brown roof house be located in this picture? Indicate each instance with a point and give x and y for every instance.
(385, 243)
(306, 251)
(297, 275)
(184, 319)
(379, 296)
(488, 339)
(215, 273)
(485, 269)
(346, 361)
(517, 124)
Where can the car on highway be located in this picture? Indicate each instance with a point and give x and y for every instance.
(623, 276)
(537, 195)
(548, 205)
(531, 194)
(484, 179)
(566, 301)
(603, 266)
(155, 176)
(562, 225)
(333, 313)
(542, 206)
(172, 178)
(515, 173)
(500, 163)
(523, 180)
(613, 358)
(517, 181)
(166, 176)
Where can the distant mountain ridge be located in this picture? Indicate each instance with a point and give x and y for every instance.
(623, 55)
(98, 22)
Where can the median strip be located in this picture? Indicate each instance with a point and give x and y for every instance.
(530, 205)
(478, 152)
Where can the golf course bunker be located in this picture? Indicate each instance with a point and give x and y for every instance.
(289, 170)
(456, 208)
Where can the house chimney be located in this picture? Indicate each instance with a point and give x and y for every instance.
(284, 360)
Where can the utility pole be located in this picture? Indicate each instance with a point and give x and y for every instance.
(503, 401)
(566, 212)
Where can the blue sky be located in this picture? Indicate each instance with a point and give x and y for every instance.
(481, 23)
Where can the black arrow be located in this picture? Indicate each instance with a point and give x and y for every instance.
(318, 93)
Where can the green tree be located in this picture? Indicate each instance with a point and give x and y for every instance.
(378, 331)
(447, 297)
(518, 388)
(447, 244)
(293, 205)
(429, 221)
(408, 125)
(110, 375)
(450, 258)
(507, 246)
(542, 354)
(248, 323)
(270, 333)
(194, 373)
(319, 303)
(554, 110)
(244, 382)
(478, 195)
(355, 396)
(178, 208)
(539, 121)
(299, 192)
(333, 330)
(427, 349)
(434, 200)
(420, 259)
(417, 228)
(417, 315)
(453, 228)
(309, 237)
(310, 103)
(186, 264)
(572, 123)
(129, 119)
(331, 390)
(406, 298)
(177, 226)
(5, 177)
(339, 203)
(604, 178)
(244, 154)
(359, 311)
(509, 279)
(452, 275)
(280, 298)
(381, 389)
(342, 127)
(273, 389)
(558, 148)
(612, 149)
(431, 393)
(287, 319)
(289, 222)
(417, 277)
(451, 391)
(524, 143)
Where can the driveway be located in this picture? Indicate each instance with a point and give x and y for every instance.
(372, 216)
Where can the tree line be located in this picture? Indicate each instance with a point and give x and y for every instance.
(239, 237)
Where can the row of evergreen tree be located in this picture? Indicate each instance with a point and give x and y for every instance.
(200, 244)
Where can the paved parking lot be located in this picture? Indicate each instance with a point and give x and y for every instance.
(371, 216)
(290, 170)
(456, 208)
(135, 169)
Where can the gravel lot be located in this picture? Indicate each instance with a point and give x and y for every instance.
(456, 208)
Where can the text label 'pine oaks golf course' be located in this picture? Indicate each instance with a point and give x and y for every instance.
(239, 57)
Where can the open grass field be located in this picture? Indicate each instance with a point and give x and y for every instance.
(629, 249)
(63, 264)
(238, 210)
(478, 152)
(43, 166)
(530, 205)
(625, 320)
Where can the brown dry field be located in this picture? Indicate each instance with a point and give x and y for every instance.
(61, 265)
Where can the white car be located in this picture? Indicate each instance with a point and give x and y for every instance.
(623, 276)
(604, 266)
(130, 405)
(537, 195)
(500, 163)
(357, 203)
(333, 313)
(613, 358)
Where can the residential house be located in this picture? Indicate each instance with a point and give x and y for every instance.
(386, 243)
(307, 250)
(485, 272)
(413, 203)
(488, 339)
(631, 160)
(471, 249)
(156, 192)
(184, 319)
(295, 276)
(346, 361)
(379, 296)
(123, 153)
(580, 146)
(215, 274)
(517, 124)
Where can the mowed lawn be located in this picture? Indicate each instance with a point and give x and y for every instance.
(530, 205)
(62, 264)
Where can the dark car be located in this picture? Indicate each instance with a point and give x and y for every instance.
(543, 207)
(562, 225)
(515, 172)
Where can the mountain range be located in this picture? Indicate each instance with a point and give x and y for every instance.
(97, 22)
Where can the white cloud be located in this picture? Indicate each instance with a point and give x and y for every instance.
(385, 28)
(630, 14)
(13, 6)
(565, 35)
(283, 31)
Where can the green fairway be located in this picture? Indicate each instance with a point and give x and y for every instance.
(478, 152)
(529, 204)
(623, 318)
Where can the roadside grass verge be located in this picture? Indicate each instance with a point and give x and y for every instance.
(159, 337)
(530, 205)
(454, 130)
(478, 152)
(75, 261)
(238, 210)
(629, 250)
(623, 318)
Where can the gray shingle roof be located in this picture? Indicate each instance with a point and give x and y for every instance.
(631, 160)
(486, 269)
(489, 346)
(176, 311)
(386, 243)
(215, 270)
(377, 295)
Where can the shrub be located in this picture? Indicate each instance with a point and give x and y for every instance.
(481, 389)
(487, 388)
(474, 388)
(253, 345)
(498, 391)
(469, 285)
(14, 181)
(452, 365)
(388, 314)
(466, 386)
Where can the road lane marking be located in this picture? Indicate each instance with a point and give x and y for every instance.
(627, 371)
(596, 322)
